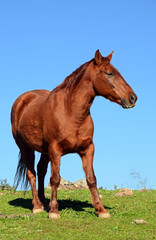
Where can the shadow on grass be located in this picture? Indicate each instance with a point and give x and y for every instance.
(21, 202)
(76, 205)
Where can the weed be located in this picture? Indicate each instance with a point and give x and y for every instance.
(141, 181)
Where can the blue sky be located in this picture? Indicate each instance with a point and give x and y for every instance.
(41, 42)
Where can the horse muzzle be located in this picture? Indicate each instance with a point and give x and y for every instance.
(131, 101)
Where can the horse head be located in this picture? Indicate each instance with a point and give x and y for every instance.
(108, 82)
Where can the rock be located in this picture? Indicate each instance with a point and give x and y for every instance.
(124, 192)
(138, 221)
(143, 190)
(67, 185)
(81, 184)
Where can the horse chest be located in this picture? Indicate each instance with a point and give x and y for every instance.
(77, 139)
(74, 145)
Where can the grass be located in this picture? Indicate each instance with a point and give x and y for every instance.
(78, 219)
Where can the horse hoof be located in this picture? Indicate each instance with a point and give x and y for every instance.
(38, 210)
(54, 215)
(104, 215)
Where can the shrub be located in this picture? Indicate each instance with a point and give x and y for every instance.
(5, 186)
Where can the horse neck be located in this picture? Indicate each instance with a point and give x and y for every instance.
(77, 93)
(79, 100)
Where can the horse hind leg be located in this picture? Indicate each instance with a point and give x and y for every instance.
(41, 172)
(26, 164)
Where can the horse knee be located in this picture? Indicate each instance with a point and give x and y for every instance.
(55, 180)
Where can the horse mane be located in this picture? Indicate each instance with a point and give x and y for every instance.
(71, 81)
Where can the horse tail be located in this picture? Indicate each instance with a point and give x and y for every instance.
(21, 174)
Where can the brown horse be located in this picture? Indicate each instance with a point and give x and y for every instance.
(59, 122)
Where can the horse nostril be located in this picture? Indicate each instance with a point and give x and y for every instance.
(132, 98)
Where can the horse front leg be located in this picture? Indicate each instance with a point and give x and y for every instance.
(54, 181)
(87, 161)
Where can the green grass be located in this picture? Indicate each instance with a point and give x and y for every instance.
(78, 219)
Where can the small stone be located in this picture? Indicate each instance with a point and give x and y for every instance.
(138, 221)
(124, 192)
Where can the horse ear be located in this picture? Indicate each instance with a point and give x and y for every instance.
(110, 56)
(98, 57)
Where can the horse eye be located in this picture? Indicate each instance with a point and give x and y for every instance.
(110, 74)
